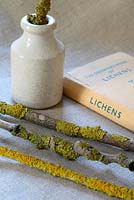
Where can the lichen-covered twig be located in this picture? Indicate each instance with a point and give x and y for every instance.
(57, 170)
(92, 133)
(66, 148)
(40, 18)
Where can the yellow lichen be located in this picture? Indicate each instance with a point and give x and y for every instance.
(57, 170)
(17, 110)
(41, 142)
(93, 133)
(110, 188)
(67, 128)
(119, 138)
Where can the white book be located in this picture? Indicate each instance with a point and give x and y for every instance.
(105, 86)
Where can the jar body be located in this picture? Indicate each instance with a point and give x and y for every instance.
(37, 62)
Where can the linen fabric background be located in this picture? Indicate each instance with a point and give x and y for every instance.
(90, 29)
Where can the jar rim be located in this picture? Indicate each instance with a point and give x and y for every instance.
(34, 28)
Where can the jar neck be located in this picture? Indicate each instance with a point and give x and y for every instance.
(41, 34)
(47, 35)
(46, 39)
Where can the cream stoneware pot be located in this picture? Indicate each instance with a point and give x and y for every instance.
(37, 60)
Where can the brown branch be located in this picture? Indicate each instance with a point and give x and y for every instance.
(65, 148)
(48, 122)
(67, 128)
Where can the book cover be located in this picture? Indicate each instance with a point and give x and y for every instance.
(105, 86)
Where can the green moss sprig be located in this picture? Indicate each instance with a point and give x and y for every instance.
(40, 17)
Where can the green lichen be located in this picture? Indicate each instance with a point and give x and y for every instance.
(95, 155)
(46, 141)
(17, 110)
(64, 148)
(40, 18)
(67, 128)
(122, 158)
(37, 140)
(58, 145)
(84, 145)
(93, 133)
(34, 138)
(90, 152)
(71, 129)
(119, 138)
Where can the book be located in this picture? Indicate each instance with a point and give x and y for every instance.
(105, 86)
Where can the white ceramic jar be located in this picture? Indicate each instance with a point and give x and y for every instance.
(37, 60)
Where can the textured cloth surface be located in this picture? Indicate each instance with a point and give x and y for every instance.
(90, 29)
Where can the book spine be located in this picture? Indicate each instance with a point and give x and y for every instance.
(102, 105)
